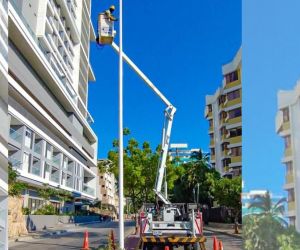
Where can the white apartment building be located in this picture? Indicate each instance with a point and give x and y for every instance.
(224, 112)
(4, 122)
(51, 140)
(287, 126)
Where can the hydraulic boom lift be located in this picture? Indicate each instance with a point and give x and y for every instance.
(161, 224)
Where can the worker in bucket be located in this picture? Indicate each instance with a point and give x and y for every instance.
(109, 13)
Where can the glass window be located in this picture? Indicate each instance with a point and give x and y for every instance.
(235, 113)
(231, 77)
(26, 161)
(236, 151)
(233, 95)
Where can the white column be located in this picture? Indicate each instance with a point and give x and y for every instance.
(121, 206)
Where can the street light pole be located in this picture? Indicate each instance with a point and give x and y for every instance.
(121, 200)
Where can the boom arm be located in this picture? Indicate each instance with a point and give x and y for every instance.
(169, 115)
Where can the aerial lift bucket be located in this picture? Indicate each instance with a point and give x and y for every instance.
(106, 30)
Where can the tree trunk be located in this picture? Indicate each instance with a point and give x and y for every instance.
(236, 223)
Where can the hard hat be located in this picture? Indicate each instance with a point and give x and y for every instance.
(112, 7)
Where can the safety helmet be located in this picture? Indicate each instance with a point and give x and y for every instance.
(112, 7)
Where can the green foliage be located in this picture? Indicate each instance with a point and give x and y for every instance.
(265, 229)
(15, 187)
(47, 192)
(227, 192)
(46, 210)
(26, 211)
(190, 175)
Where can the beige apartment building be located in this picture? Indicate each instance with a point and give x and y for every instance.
(287, 126)
(224, 113)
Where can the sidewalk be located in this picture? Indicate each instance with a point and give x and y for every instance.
(58, 230)
(227, 229)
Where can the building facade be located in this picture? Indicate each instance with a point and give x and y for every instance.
(287, 126)
(180, 153)
(51, 141)
(224, 113)
(108, 185)
(4, 122)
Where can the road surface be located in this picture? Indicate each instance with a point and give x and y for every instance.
(98, 235)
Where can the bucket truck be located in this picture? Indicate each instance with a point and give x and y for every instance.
(162, 224)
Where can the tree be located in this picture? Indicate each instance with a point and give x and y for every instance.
(264, 204)
(227, 192)
(140, 167)
(194, 173)
(15, 187)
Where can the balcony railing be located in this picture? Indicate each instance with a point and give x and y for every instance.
(55, 177)
(88, 190)
(38, 148)
(15, 135)
(15, 162)
(69, 183)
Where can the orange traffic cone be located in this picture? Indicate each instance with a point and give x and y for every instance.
(215, 243)
(85, 245)
(221, 245)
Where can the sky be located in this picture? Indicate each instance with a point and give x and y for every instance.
(271, 61)
(181, 47)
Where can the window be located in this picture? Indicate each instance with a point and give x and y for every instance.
(286, 115)
(223, 131)
(237, 151)
(212, 151)
(287, 141)
(235, 132)
(291, 195)
(28, 138)
(209, 108)
(231, 77)
(226, 162)
(235, 113)
(211, 136)
(222, 99)
(46, 171)
(289, 167)
(26, 161)
(224, 146)
(233, 95)
(222, 115)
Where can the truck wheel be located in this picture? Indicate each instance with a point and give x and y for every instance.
(147, 247)
(195, 246)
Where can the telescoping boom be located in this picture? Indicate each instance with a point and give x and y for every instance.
(166, 133)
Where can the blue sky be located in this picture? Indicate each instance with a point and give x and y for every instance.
(181, 47)
(271, 61)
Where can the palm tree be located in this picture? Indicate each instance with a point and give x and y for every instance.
(264, 206)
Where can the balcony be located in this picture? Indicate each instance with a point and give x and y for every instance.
(211, 129)
(234, 140)
(234, 120)
(36, 167)
(15, 135)
(236, 159)
(69, 182)
(88, 190)
(233, 102)
(233, 84)
(225, 153)
(213, 158)
(207, 113)
(288, 152)
(212, 143)
(55, 176)
(56, 160)
(291, 206)
(289, 178)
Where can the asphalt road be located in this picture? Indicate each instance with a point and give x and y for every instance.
(98, 235)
